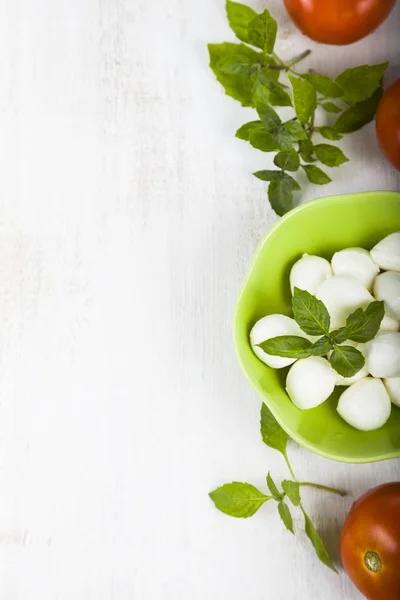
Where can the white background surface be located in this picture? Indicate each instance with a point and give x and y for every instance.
(128, 217)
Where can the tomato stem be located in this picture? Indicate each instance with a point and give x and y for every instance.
(373, 561)
(324, 488)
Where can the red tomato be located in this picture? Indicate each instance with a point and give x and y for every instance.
(388, 124)
(338, 21)
(370, 543)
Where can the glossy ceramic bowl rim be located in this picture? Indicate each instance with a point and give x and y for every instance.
(271, 233)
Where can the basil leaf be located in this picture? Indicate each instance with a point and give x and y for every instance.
(280, 194)
(346, 360)
(287, 160)
(239, 17)
(316, 175)
(324, 85)
(283, 138)
(262, 32)
(237, 499)
(329, 133)
(243, 133)
(318, 544)
(306, 150)
(296, 130)
(273, 91)
(372, 322)
(271, 432)
(304, 98)
(268, 175)
(359, 115)
(238, 87)
(235, 65)
(321, 346)
(263, 140)
(331, 107)
(269, 68)
(292, 491)
(262, 105)
(330, 155)
(360, 83)
(310, 313)
(276, 494)
(284, 513)
(361, 326)
(288, 346)
(354, 320)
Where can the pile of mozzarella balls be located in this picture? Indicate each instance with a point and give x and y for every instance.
(353, 279)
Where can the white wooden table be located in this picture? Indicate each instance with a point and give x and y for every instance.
(128, 217)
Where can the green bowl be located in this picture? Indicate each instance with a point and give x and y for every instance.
(320, 227)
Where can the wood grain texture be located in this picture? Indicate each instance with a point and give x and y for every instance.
(128, 216)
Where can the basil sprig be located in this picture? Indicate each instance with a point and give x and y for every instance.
(313, 318)
(243, 500)
(251, 71)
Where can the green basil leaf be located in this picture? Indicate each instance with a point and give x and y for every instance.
(273, 93)
(306, 150)
(329, 133)
(285, 515)
(287, 160)
(235, 65)
(331, 107)
(373, 316)
(280, 194)
(361, 326)
(263, 140)
(268, 175)
(292, 491)
(237, 499)
(330, 155)
(318, 544)
(324, 85)
(239, 87)
(262, 32)
(283, 138)
(243, 133)
(316, 175)
(341, 335)
(360, 83)
(276, 494)
(296, 130)
(239, 17)
(346, 360)
(304, 98)
(321, 346)
(310, 313)
(271, 432)
(261, 103)
(269, 68)
(359, 115)
(288, 346)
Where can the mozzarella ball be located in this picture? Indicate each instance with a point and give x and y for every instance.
(393, 388)
(342, 295)
(362, 373)
(386, 254)
(387, 288)
(309, 272)
(383, 355)
(269, 327)
(389, 324)
(357, 263)
(365, 405)
(310, 382)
